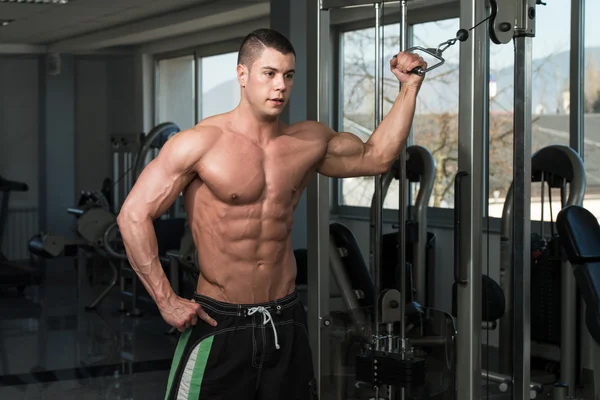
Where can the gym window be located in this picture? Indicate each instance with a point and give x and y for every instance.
(196, 84)
(435, 125)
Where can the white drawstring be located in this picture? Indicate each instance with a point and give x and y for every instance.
(266, 318)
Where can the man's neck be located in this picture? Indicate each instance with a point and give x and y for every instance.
(254, 127)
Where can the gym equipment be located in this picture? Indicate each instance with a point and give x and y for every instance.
(493, 300)
(580, 237)
(96, 226)
(420, 258)
(461, 35)
(473, 100)
(579, 234)
(429, 332)
(16, 274)
(387, 329)
(555, 166)
(389, 315)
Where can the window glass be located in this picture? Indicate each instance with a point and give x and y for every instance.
(435, 125)
(176, 91)
(220, 87)
(550, 105)
(592, 108)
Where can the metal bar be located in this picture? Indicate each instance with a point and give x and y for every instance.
(345, 4)
(521, 217)
(378, 228)
(576, 80)
(331, 4)
(568, 336)
(336, 264)
(429, 341)
(198, 88)
(576, 141)
(473, 92)
(505, 342)
(403, 201)
(317, 194)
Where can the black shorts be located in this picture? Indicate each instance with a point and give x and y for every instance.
(239, 359)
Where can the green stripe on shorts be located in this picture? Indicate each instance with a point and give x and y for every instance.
(183, 339)
(199, 367)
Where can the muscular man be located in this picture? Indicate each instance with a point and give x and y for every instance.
(242, 174)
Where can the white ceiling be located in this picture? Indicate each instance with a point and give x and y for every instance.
(52, 24)
(92, 25)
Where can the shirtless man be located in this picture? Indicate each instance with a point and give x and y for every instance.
(242, 174)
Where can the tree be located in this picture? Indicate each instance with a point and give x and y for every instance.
(436, 121)
(595, 107)
(592, 86)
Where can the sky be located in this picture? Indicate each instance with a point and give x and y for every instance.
(552, 35)
(553, 23)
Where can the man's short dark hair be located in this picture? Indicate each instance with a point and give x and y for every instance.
(256, 41)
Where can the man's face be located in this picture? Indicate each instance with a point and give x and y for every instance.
(270, 81)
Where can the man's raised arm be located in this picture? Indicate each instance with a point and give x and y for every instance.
(348, 156)
(154, 192)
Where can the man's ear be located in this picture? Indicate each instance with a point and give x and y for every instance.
(242, 74)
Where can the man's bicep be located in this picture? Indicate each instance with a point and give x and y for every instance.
(344, 156)
(156, 189)
(163, 179)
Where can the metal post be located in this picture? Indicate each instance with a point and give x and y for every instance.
(317, 108)
(473, 89)
(505, 328)
(402, 204)
(576, 81)
(524, 32)
(378, 228)
(577, 137)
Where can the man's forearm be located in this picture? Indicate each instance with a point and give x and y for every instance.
(391, 135)
(141, 245)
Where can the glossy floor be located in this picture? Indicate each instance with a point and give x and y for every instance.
(52, 348)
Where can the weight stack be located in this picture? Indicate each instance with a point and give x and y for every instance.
(545, 290)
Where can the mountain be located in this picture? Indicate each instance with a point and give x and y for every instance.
(550, 81)
(440, 92)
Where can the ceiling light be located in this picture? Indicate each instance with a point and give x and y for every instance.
(4, 22)
(36, 1)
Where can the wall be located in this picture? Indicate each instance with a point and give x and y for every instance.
(55, 129)
(19, 149)
(91, 116)
(105, 104)
(19, 122)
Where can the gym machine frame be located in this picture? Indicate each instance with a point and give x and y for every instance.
(393, 309)
(513, 20)
(319, 69)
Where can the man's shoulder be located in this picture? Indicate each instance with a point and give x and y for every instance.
(311, 130)
(200, 133)
(192, 143)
